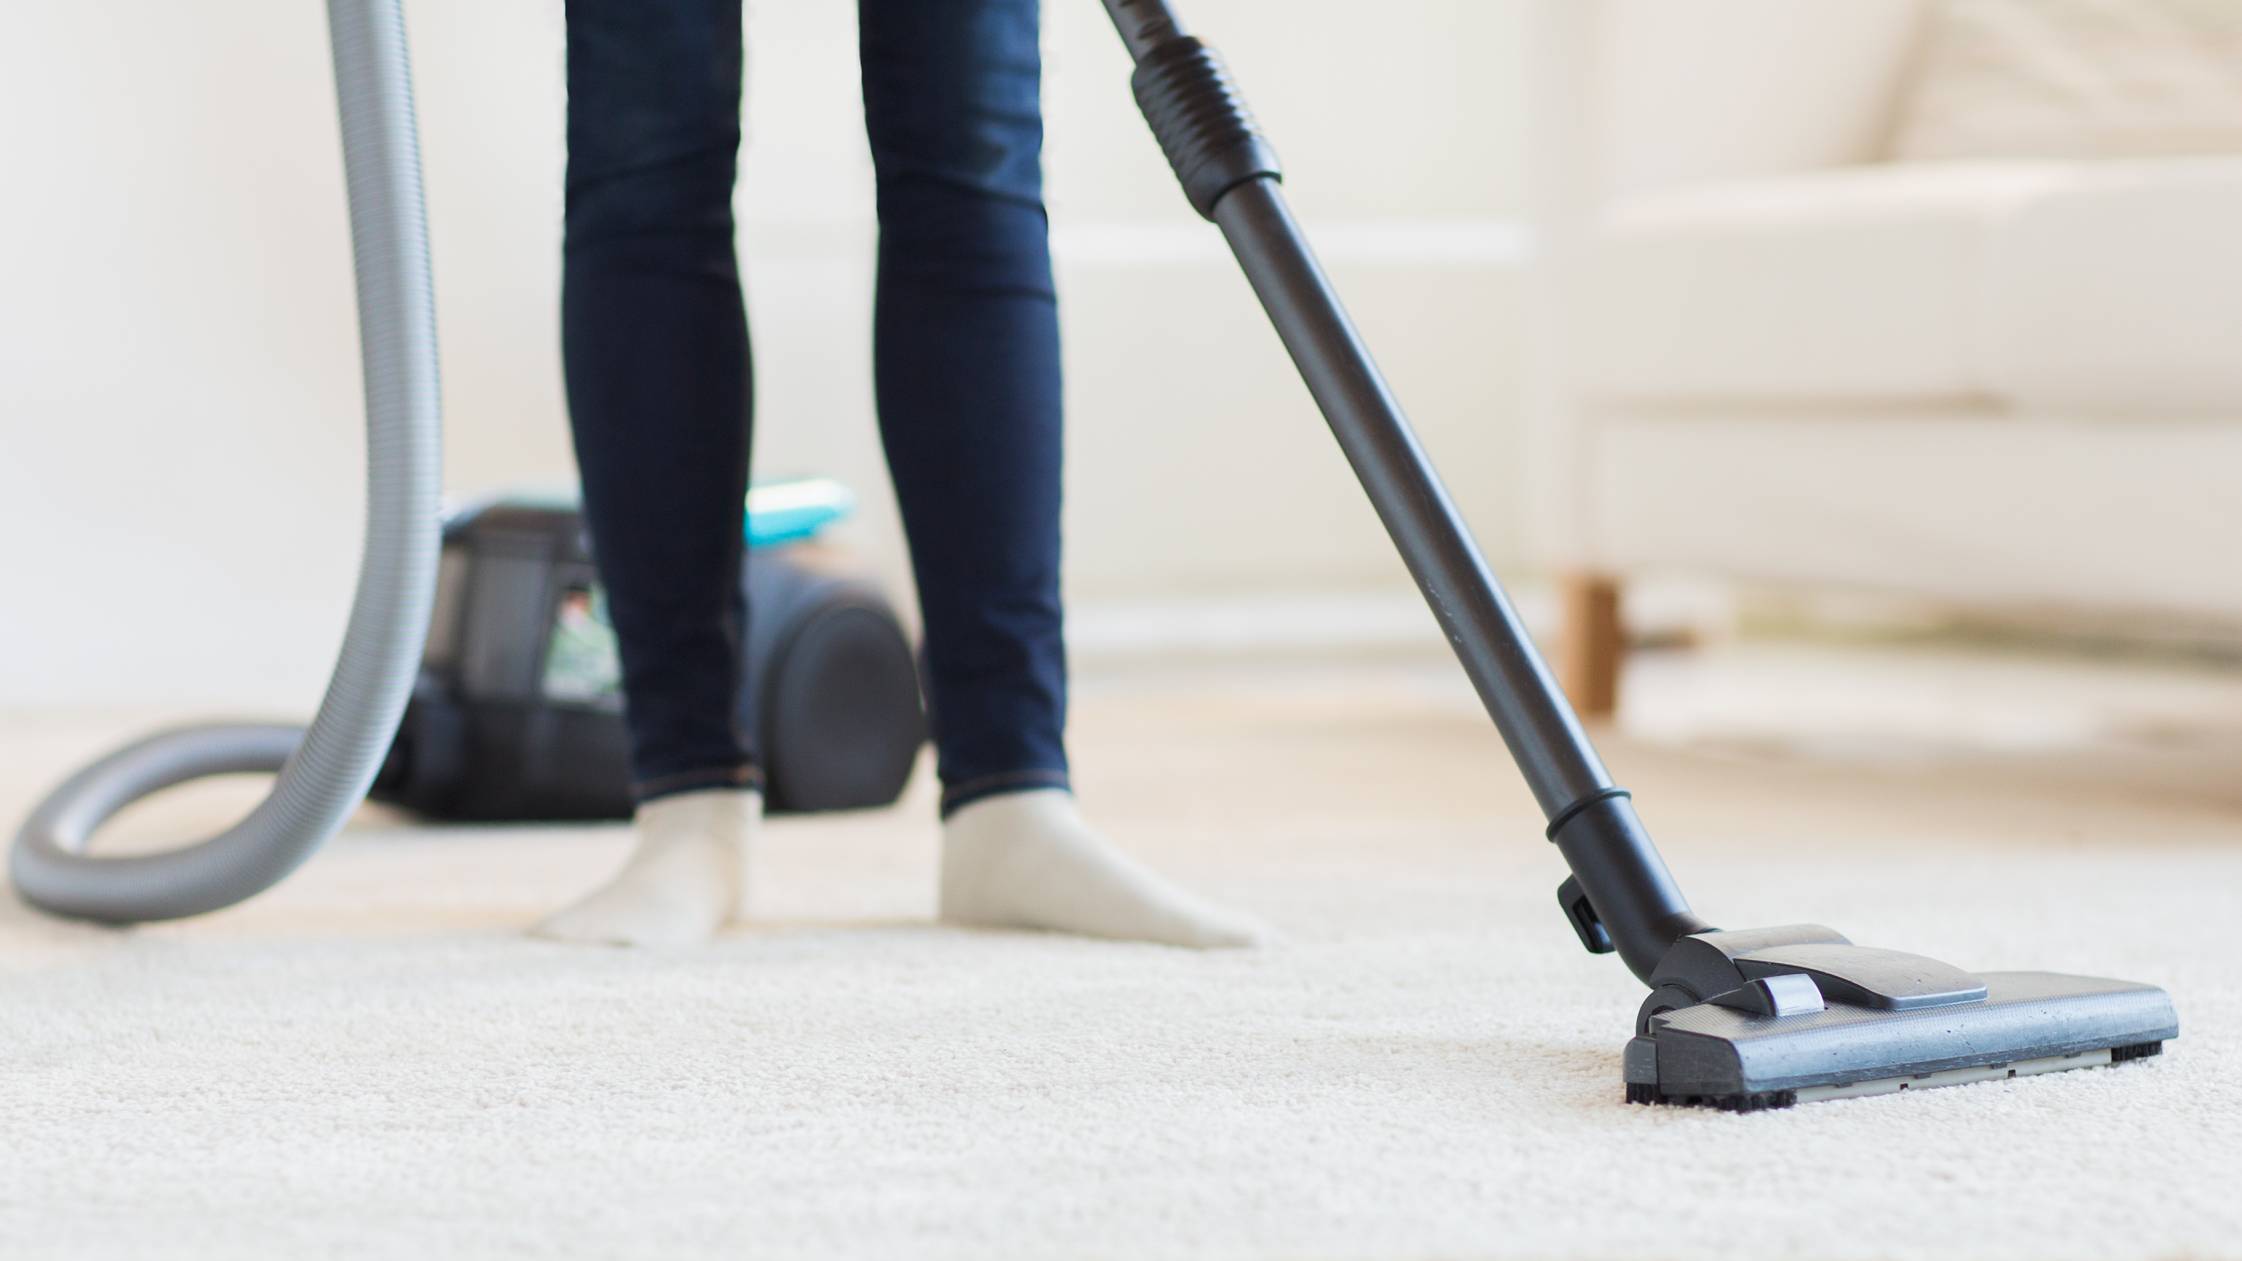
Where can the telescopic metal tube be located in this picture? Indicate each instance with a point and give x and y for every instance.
(1143, 24)
(1543, 734)
(1230, 175)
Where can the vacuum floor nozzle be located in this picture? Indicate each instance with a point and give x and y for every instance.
(1727, 1055)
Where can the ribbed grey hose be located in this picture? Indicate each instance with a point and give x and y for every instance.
(324, 770)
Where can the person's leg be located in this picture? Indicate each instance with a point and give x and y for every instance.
(654, 343)
(967, 375)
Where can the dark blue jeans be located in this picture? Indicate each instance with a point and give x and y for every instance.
(965, 366)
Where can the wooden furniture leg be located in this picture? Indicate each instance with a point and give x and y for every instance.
(1590, 644)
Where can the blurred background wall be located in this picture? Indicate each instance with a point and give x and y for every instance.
(179, 424)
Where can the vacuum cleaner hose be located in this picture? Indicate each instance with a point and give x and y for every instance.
(324, 771)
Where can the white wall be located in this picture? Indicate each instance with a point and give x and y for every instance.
(179, 470)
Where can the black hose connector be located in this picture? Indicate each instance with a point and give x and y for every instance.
(1201, 121)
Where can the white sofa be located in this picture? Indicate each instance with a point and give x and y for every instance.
(1767, 353)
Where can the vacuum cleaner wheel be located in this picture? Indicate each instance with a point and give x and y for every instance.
(841, 721)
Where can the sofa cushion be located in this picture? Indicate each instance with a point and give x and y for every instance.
(2108, 287)
(2120, 293)
(1860, 282)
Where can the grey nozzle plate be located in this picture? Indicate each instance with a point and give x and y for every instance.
(1956, 1076)
(2029, 1021)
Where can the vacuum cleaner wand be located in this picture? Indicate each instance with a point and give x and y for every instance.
(1739, 1019)
(1621, 897)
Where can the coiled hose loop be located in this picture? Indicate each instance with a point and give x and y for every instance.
(325, 769)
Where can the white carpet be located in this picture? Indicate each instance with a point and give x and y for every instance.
(369, 1062)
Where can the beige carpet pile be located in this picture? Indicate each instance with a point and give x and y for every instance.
(370, 1062)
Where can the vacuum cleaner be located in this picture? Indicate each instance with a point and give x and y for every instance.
(1740, 1019)
(518, 712)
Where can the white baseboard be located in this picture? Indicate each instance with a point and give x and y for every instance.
(1351, 622)
(1291, 623)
